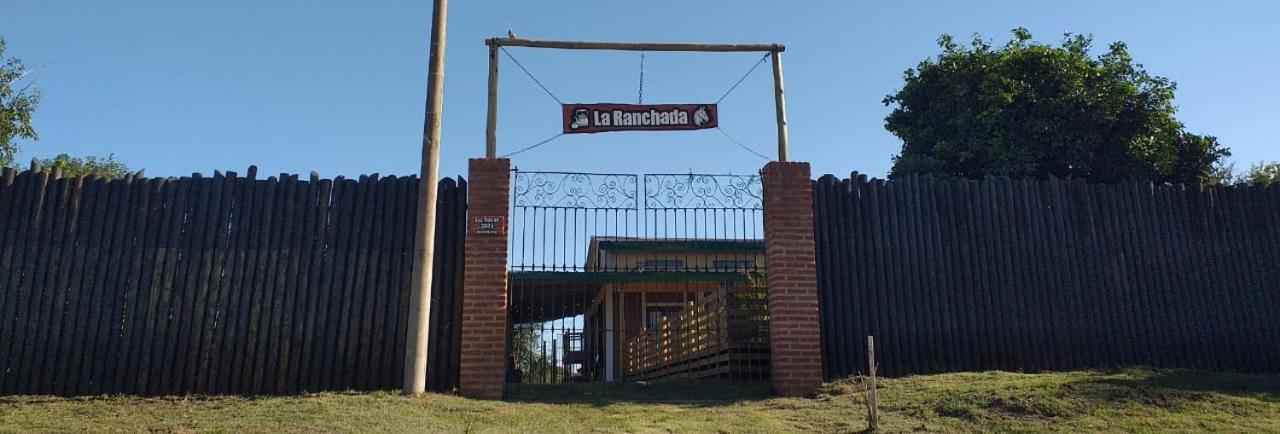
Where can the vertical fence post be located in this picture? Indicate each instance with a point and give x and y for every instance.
(415, 375)
(873, 398)
(795, 354)
(484, 287)
(780, 104)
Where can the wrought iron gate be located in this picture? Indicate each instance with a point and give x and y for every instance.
(614, 280)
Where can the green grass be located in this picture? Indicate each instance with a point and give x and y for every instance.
(1132, 400)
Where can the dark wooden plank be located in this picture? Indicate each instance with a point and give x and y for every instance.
(1051, 270)
(143, 306)
(10, 206)
(1268, 252)
(320, 277)
(825, 246)
(1031, 290)
(64, 265)
(1137, 295)
(1251, 236)
(935, 281)
(178, 292)
(126, 252)
(942, 254)
(354, 305)
(186, 291)
(445, 373)
(939, 282)
(960, 239)
(80, 290)
(1157, 315)
(35, 284)
(1173, 275)
(173, 193)
(281, 306)
(345, 197)
(105, 329)
(1242, 337)
(1253, 239)
(1271, 255)
(851, 272)
(460, 226)
(899, 312)
(28, 299)
(244, 224)
(881, 269)
(131, 258)
(1115, 339)
(442, 297)
(14, 213)
(248, 283)
(213, 326)
(98, 285)
(1201, 202)
(196, 281)
(861, 271)
(384, 295)
(260, 306)
(914, 308)
(223, 296)
(1028, 293)
(1063, 259)
(1002, 319)
(296, 309)
(310, 253)
(1217, 289)
(44, 283)
(829, 199)
(821, 248)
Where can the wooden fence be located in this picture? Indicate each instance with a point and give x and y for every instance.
(726, 334)
(1046, 275)
(217, 285)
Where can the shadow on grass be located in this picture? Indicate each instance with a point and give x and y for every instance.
(698, 393)
(1164, 386)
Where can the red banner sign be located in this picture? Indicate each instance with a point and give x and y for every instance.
(599, 118)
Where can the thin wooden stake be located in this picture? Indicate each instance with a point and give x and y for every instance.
(873, 404)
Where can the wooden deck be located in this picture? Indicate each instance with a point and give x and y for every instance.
(726, 335)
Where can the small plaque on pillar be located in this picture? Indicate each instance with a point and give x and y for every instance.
(488, 225)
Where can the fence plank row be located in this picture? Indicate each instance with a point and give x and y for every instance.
(222, 284)
(1046, 274)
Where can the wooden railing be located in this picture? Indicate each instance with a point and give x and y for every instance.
(725, 334)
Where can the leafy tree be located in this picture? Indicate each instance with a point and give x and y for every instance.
(1032, 109)
(106, 167)
(16, 107)
(1261, 173)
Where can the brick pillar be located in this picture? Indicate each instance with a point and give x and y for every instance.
(791, 269)
(484, 280)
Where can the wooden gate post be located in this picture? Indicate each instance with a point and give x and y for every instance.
(482, 370)
(795, 356)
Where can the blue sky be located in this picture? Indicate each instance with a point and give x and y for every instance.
(338, 86)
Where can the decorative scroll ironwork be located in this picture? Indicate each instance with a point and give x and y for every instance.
(575, 190)
(694, 191)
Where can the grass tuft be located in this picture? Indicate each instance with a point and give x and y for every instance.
(1128, 400)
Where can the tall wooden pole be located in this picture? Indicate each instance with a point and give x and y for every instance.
(491, 122)
(780, 105)
(415, 374)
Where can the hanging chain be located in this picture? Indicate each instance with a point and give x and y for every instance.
(640, 98)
